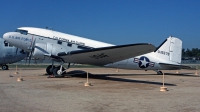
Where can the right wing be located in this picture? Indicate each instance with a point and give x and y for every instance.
(106, 55)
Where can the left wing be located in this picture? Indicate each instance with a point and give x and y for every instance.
(106, 55)
(175, 67)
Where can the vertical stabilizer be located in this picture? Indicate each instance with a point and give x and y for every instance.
(170, 50)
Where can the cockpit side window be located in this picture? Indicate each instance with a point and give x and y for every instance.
(22, 31)
(59, 42)
(6, 44)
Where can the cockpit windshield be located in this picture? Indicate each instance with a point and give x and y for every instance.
(22, 31)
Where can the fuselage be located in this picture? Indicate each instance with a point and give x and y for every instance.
(9, 54)
(56, 42)
(24, 37)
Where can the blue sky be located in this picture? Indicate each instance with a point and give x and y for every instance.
(112, 21)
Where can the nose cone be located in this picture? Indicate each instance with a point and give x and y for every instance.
(10, 38)
(6, 36)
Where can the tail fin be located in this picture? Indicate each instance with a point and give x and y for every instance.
(170, 50)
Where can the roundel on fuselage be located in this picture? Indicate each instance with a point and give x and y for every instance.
(143, 62)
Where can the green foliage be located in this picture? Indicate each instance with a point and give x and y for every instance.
(194, 52)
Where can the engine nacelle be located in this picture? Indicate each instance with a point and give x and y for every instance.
(41, 49)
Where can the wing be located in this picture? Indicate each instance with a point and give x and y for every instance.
(175, 67)
(106, 55)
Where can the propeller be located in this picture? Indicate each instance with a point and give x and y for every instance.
(27, 55)
(16, 51)
(31, 48)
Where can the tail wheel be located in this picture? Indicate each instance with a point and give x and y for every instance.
(159, 73)
(4, 67)
(50, 69)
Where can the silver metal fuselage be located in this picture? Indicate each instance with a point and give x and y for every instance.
(59, 42)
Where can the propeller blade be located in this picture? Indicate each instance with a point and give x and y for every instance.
(27, 56)
(16, 51)
(29, 61)
(30, 58)
(32, 46)
(34, 42)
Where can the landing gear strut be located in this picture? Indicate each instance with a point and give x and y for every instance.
(56, 71)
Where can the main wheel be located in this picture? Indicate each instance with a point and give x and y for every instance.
(159, 72)
(4, 67)
(57, 71)
(49, 69)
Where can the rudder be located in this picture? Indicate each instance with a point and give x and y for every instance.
(170, 50)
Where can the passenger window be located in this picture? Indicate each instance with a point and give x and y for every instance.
(83, 47)
(69, 44)
(59, 42)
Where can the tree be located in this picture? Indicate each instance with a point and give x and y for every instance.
(195, 52)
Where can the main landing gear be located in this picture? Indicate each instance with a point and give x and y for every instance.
(4, 67)
(159, 72)
(56, 71)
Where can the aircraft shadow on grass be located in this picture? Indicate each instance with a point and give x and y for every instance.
(83, 74)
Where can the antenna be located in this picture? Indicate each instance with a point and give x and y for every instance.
(50, 28)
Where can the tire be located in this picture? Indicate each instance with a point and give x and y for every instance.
(56, 70)
(160, 73)
(4, 67)
(49, 70)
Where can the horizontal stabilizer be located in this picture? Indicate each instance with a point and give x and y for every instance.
(175, 67)
(106, 55)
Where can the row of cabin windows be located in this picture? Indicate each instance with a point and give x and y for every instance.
(60, 42)
(70, 45)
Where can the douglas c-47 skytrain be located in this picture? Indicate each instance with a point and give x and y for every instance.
(65, 48)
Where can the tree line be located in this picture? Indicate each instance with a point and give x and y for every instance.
(194, 52)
